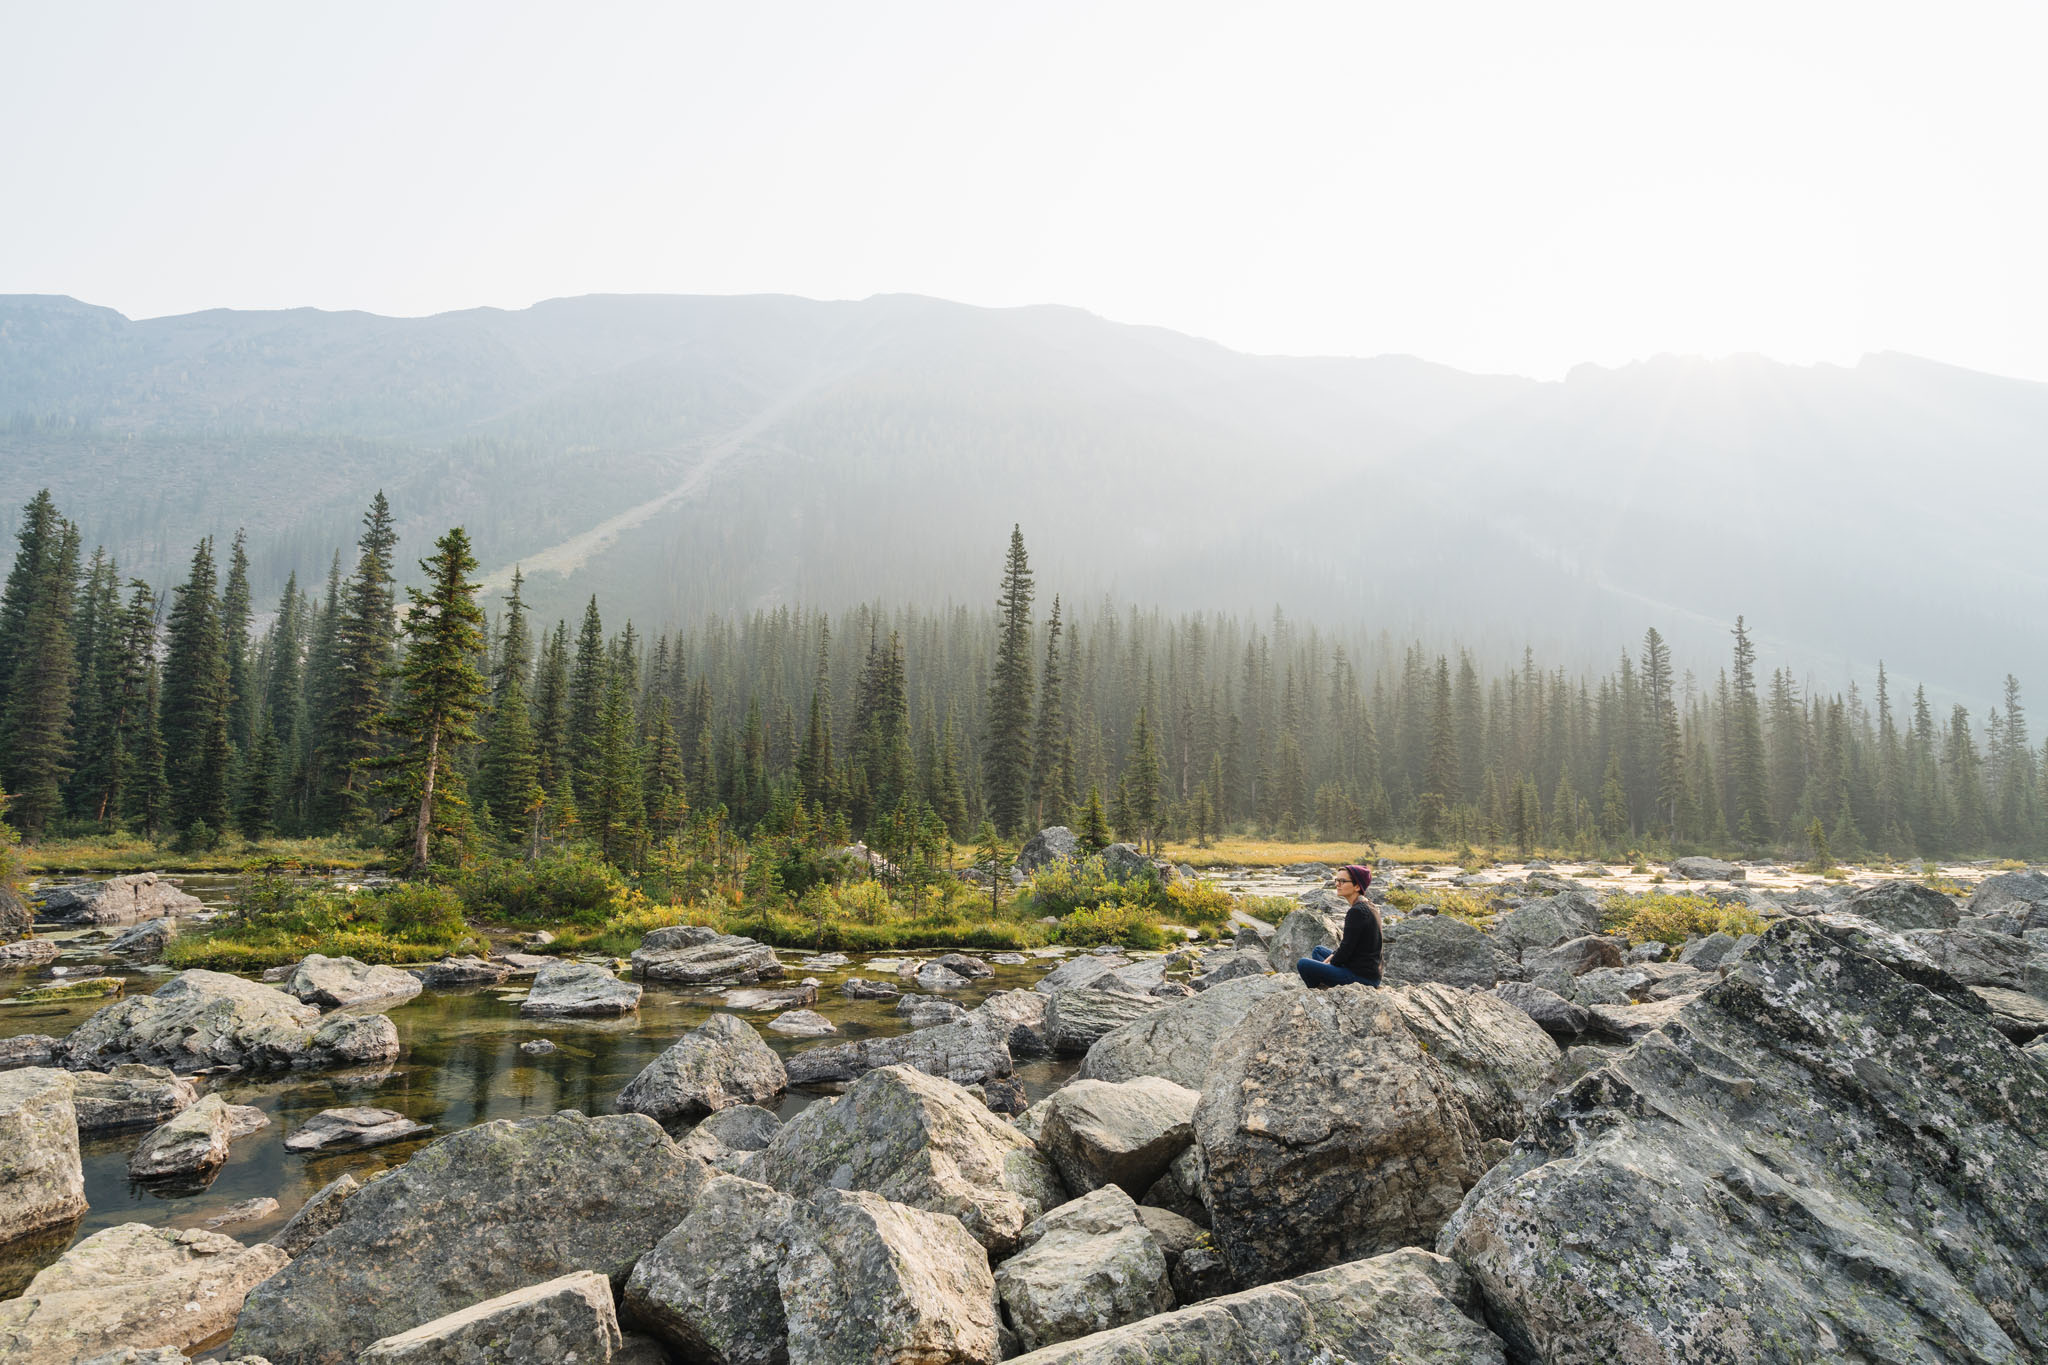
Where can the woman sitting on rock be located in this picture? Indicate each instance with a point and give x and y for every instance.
(1357, 959)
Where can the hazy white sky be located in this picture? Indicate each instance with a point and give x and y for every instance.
(1507, 187)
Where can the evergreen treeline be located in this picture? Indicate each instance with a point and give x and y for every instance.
(124, 709)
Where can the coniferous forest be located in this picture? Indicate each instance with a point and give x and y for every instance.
(447, 726)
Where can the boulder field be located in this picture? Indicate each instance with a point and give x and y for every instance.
(1537, 1145)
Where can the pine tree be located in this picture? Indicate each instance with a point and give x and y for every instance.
(235, 615)
(1140, 785)
(667, 805)
(1048, 780)
(95, 734)
(515, 647)
(195, 705)
(365, 634)
(1752, 813)
(510, 770)
(551, 709)
(150, 785)
(814, 761)
(586, 695)
(42, 662)
(255, 808)
(1006, 756)
(612, 810)
(993, 859)
(1666, 742)
(439, 694)
(1093, 826)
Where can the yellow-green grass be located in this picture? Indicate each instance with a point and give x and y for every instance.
(133, 853)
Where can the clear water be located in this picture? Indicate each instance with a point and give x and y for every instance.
(459, 1064)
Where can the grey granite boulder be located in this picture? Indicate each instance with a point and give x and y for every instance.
(1707, 952)
(1076, 1019)
(1897, 905)
(192, 1143)
(42, 1183)
(1705, 870)
(1499, 1060)
(1021, 1017)
(1051, 845)
(1078, 971)
(1177, 1041)
(453, 973)
(201, 1019)
(1117, 1133)
(917, 1140)
(719, 1063)
(1555, 1015)
(692, 955)
(119, 900)
(1546, 923)
(1441, 949)
(566, 1319)
(1083, 1268)
(1302, 930)
(1977, 958)
(2019, 899)
(1328, 1133)
(1407, 1307)
(354, 1128)
(30, 1049)
(1800, 1130)
(335, 982)
(316, 1216)
(133, 1286)
(579, 988)
(708, 1288)
(967, 1051)
(871, 1280)
(130, 1096)
(475, 1214)
(147, 940)
(925, 1011)
(1577, 956)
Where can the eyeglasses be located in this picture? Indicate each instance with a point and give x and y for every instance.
(1345, 881)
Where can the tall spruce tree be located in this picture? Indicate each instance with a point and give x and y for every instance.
(41, 660)
(587, 680)
(1006, 755)
(1048, 778)
(364, 638)
(1752, 814)
(1666, 743)
(195, 705)
(439, 695)
(235, 614)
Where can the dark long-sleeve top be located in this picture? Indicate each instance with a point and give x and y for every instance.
(1359, 951)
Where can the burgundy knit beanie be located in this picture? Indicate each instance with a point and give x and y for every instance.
(1361, 877)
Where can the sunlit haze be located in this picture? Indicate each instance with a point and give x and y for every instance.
(1503, 188)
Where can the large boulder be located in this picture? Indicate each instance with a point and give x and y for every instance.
(201, 1019)
(119, 900)
(1817, 1159)
(1117, 1133)
(1124, 863)
(130, 1096)
(1177, 1041)
(1897, 905)
(1077, 1019)
(1977, 958)
(721, 1062)
(569, 1318)
(134, 1286)
(1021, 1014)
(1052, 845)
(967, 1051)
(1499, 1060)
(1301, 931)
(1086, 1267)
(1403, 1308)
(1706, 870)
(2019, 899)
(42, 1183)
(708, 1288)
(1577, 956)
(1221, 967)
(579, 988)
(453, 973)
(17, 921)
(478, 1213)
(918, 1140)
(1329, 1133)
(1085, 970)
(1439, 948)
(335, 982)
(692, 955)
(317, 1216)
(871, 1280)
(1555, 1015)
(1546, 923)
(29, 1049)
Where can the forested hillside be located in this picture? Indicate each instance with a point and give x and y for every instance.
(678, 456)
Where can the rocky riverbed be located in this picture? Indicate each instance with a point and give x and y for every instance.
(1825, 1141)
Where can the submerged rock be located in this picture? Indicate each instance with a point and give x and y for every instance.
(1085, 1267)
(336, 982)
(200, 1019)
(569, 1318)
(802, 1024)
(917, 1140)
(42, 1183)
(1328, 1133)
(148, 939)
(1405, 1306)
(134, 1286)
(719, 1063)
(1854, 1165)
(867, 1279)
(478, 1213)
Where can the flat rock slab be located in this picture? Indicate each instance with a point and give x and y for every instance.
(354, 1128)
(691, 955)
(42, 1183)
(452, 972)
(134, 1286)
(802, 1024)
(770, 997)
(248, 1211)
(579, 988)
(129, 1096)
(569, 1318)
(1403, 1308)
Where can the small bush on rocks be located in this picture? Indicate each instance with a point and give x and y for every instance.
(1675, 919)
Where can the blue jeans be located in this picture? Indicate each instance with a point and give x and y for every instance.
(1317, 972)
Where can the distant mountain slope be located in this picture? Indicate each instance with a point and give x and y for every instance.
(678, 454)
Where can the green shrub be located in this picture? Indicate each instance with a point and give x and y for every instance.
(419, 912)
(1131, 926)
(1198, 904)
(1673, 919)
(1066, 886)
(276, 920)
(566, 886)
(1463, 905)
